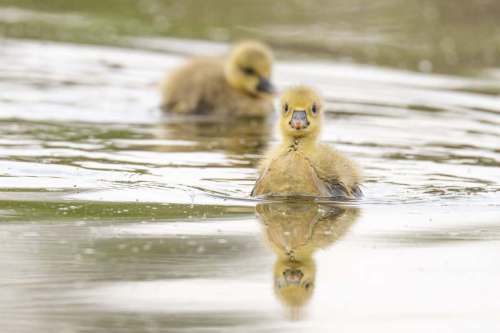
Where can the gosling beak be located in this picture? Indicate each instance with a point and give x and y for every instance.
(293, 276)
(265, 86)
(299, 120)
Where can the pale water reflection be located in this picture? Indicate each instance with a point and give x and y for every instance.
(294, 231)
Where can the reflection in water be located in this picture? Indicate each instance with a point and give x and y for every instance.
(294, 231)
(246, 135)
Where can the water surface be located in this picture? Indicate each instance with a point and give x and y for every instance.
(116, 218)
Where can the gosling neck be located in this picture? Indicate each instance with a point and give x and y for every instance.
(301, 142)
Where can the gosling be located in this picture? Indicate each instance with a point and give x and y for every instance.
(300, 165)
(237, 85)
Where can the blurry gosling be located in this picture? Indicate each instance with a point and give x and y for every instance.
(300, 165)
(237, 85)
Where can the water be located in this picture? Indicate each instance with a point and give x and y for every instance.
(116, 218)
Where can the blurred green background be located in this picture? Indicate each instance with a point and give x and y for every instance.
(439, 36)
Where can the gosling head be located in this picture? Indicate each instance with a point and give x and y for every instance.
(248, 68)
(301, 113)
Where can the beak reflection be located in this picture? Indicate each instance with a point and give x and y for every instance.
(293, 276)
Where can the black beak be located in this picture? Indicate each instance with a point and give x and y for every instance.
(299, 120)
(265, 86)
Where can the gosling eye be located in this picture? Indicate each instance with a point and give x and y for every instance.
(285, 107)
(248, 70)
(314, 109)
(308, 285)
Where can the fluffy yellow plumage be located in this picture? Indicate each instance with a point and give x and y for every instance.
(236, 85)
(301, 165)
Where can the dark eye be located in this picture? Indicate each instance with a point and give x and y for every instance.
(248, 70)
(308, 285)
(314, 109)
(285, 107)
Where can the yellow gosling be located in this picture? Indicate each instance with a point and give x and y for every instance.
(236, 85)
(300, 165)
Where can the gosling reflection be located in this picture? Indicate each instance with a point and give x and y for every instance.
(238, 136)
(294, 231)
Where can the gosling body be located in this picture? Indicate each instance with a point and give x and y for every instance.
(236, 85)
(300, 165)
